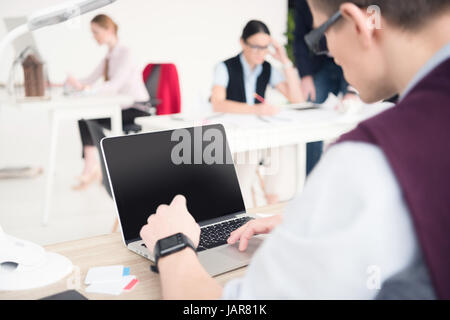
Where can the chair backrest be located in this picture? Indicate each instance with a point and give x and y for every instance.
(162, 83)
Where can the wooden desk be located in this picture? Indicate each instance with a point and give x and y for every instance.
(109, 250)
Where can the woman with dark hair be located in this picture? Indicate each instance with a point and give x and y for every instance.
(239, 87)
(121, 75)
(237, 79)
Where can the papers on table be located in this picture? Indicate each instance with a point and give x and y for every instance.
(301, 106)
(301, 115)
(110, 280)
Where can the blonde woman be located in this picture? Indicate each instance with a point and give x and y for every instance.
(121, 75)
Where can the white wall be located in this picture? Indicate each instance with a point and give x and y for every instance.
(194, 34)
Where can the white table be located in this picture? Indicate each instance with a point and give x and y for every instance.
(61, 107)
(290, 127)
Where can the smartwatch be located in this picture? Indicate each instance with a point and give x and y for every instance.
(169, 245)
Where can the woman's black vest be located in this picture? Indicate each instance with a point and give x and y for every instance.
(236, 87)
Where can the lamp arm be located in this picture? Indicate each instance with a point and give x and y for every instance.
(51, 16)
(11, 36)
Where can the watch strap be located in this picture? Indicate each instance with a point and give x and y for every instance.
(187, 243)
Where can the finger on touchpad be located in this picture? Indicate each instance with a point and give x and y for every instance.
(233, 250)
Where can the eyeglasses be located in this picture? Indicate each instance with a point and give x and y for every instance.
(257, 48)
(316, 39)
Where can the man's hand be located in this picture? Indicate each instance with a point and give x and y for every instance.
(169, 220)
(253, 227)
(308, 88)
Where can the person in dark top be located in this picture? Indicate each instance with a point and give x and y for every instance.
(237, 79)
(319, 74)
(235, 83)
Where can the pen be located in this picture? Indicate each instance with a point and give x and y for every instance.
(259, 98)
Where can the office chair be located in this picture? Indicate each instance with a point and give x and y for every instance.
(161, 81)
(163, 85)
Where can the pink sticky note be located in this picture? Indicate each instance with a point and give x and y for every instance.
(131, 284)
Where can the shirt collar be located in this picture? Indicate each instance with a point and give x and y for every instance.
(113, 51)
(246, 68)
(438, 58)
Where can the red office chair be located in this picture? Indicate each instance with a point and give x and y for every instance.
(163, 86)
(161, 81)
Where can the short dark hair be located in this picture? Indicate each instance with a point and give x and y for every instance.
(254, 27)
(407, 14)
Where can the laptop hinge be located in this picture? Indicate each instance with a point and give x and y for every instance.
(127, 242)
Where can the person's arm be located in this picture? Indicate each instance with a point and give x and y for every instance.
(348, 232)
(303, 56)
(87, 82)
(303, 25)
(254, 227)
(182, 275)
(192, 272)
(96, 74)
(290, 86)
(221, 104)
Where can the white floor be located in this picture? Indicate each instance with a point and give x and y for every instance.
(24, 140)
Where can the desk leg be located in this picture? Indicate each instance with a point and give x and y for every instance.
(51, 166)
(116, 122)
(301, 167)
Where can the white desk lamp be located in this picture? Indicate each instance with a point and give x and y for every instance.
(53, 15)
(23, 264)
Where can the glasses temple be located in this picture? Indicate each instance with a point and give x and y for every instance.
(313, 38)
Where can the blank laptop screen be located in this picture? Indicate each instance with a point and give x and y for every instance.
(147, 170)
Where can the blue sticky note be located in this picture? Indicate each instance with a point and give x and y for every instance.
(126, 271)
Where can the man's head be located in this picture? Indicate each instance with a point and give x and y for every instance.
(372, 32)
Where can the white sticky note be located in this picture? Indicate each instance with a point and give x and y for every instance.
(111, 287)
(104, 274)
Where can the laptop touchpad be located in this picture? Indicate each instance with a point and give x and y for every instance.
(232, 251)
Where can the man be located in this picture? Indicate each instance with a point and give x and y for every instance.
(319, 74)
(378, 217)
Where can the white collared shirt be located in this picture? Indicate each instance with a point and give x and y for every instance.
(125, 76)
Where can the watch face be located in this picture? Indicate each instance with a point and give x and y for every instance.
(168, 242)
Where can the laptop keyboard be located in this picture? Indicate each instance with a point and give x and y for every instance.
(217, 234)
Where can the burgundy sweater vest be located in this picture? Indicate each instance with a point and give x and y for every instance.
(415, 138)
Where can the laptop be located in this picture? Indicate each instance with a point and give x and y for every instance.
(149, 169)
